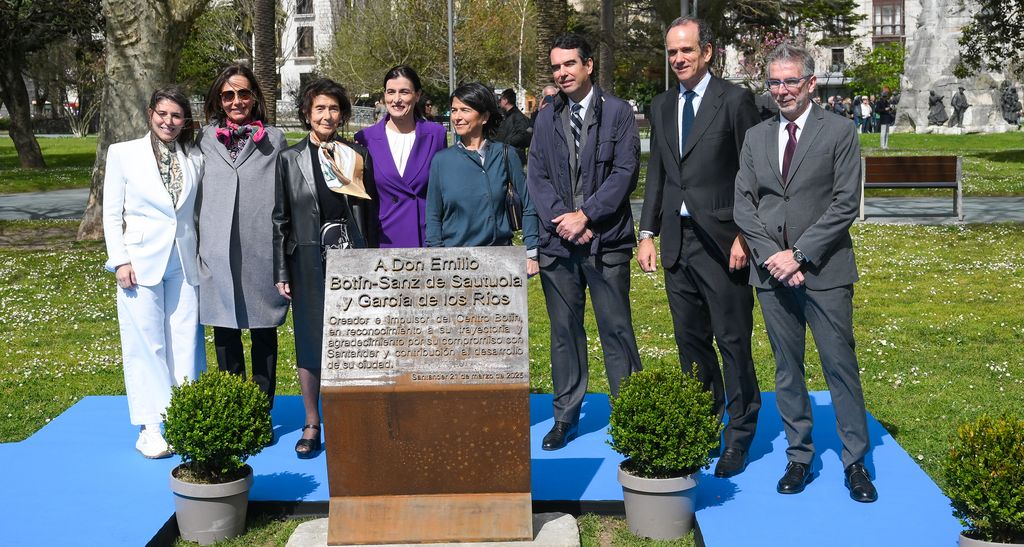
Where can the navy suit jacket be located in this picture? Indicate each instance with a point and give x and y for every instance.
(703, 177)
(609, 169)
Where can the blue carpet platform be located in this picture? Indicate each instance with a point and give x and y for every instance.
(79, 481)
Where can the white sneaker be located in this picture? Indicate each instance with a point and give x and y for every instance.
(152, 444)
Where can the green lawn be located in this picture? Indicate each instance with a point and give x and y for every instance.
(68, 165)
(938, 321)
(993, 164)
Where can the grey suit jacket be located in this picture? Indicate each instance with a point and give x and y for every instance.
(811, 211)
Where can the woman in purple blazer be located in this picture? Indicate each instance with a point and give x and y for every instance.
(401, 146)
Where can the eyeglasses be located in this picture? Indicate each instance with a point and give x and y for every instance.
(789, 83)
(172, 118)
(229, 95)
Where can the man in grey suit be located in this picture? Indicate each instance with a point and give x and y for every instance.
(796, 197)
(697, 132)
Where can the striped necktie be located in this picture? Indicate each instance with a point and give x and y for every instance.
(577, 128)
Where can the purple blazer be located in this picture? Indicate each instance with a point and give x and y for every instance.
(403, 198)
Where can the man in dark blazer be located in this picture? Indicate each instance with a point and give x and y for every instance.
(515, 129)
(688, 202)
(584, 162)
(796, 196)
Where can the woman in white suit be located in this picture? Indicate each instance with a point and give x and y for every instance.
(148, 201)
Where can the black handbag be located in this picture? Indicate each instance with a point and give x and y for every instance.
(513, 203)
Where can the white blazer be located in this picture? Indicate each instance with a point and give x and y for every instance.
(140, 223)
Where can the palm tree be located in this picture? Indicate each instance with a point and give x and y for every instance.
(606, 48)
(265, 54)
(551, 21)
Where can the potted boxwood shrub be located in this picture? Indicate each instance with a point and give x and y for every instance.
(663, 422)
(215, 423)
(985, 480)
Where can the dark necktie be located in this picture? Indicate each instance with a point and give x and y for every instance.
(577, 129)
(687, 121)
(787, 156)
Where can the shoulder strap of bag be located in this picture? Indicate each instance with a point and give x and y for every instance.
(508, 172)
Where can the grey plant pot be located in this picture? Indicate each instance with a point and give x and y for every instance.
(210, 512)
(659, 508)
(968, 542)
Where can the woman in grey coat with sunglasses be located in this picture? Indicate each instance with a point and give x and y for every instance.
(234, 208)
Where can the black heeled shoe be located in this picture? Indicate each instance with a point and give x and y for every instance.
(307, 448)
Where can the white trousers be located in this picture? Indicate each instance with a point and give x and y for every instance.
(161, 341)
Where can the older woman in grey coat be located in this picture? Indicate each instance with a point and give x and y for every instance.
(235, 204)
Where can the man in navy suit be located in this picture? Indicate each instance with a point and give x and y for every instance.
(584, 163)
(697, 132)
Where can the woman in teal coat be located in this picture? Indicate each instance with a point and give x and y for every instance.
(466, 192)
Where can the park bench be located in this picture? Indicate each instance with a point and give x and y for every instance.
(913, 172)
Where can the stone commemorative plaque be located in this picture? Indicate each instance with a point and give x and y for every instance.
(425, 384)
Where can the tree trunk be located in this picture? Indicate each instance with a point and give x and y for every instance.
(265, 54)
(15, 96)
(551, 22)
(606, 49)
(142, 46)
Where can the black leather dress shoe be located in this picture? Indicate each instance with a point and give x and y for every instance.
(859, 483)
(797, 476)
(559, 436)
(731, 463)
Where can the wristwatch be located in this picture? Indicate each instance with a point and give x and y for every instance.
(645, 234)
(799, 256)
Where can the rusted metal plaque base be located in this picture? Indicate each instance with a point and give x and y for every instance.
(416, 464)
(430, 518)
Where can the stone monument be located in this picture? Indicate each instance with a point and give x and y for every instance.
(425, 384)
(933, 32)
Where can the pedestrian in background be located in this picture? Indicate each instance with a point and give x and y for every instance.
(515, 129)
(886, 116)
(547, 99)
(865, 113)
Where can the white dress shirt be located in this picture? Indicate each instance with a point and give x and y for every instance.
(401, 147)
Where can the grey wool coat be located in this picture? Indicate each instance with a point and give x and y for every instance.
(236, 253)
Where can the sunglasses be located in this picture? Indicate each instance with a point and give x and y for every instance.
(229, 95)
